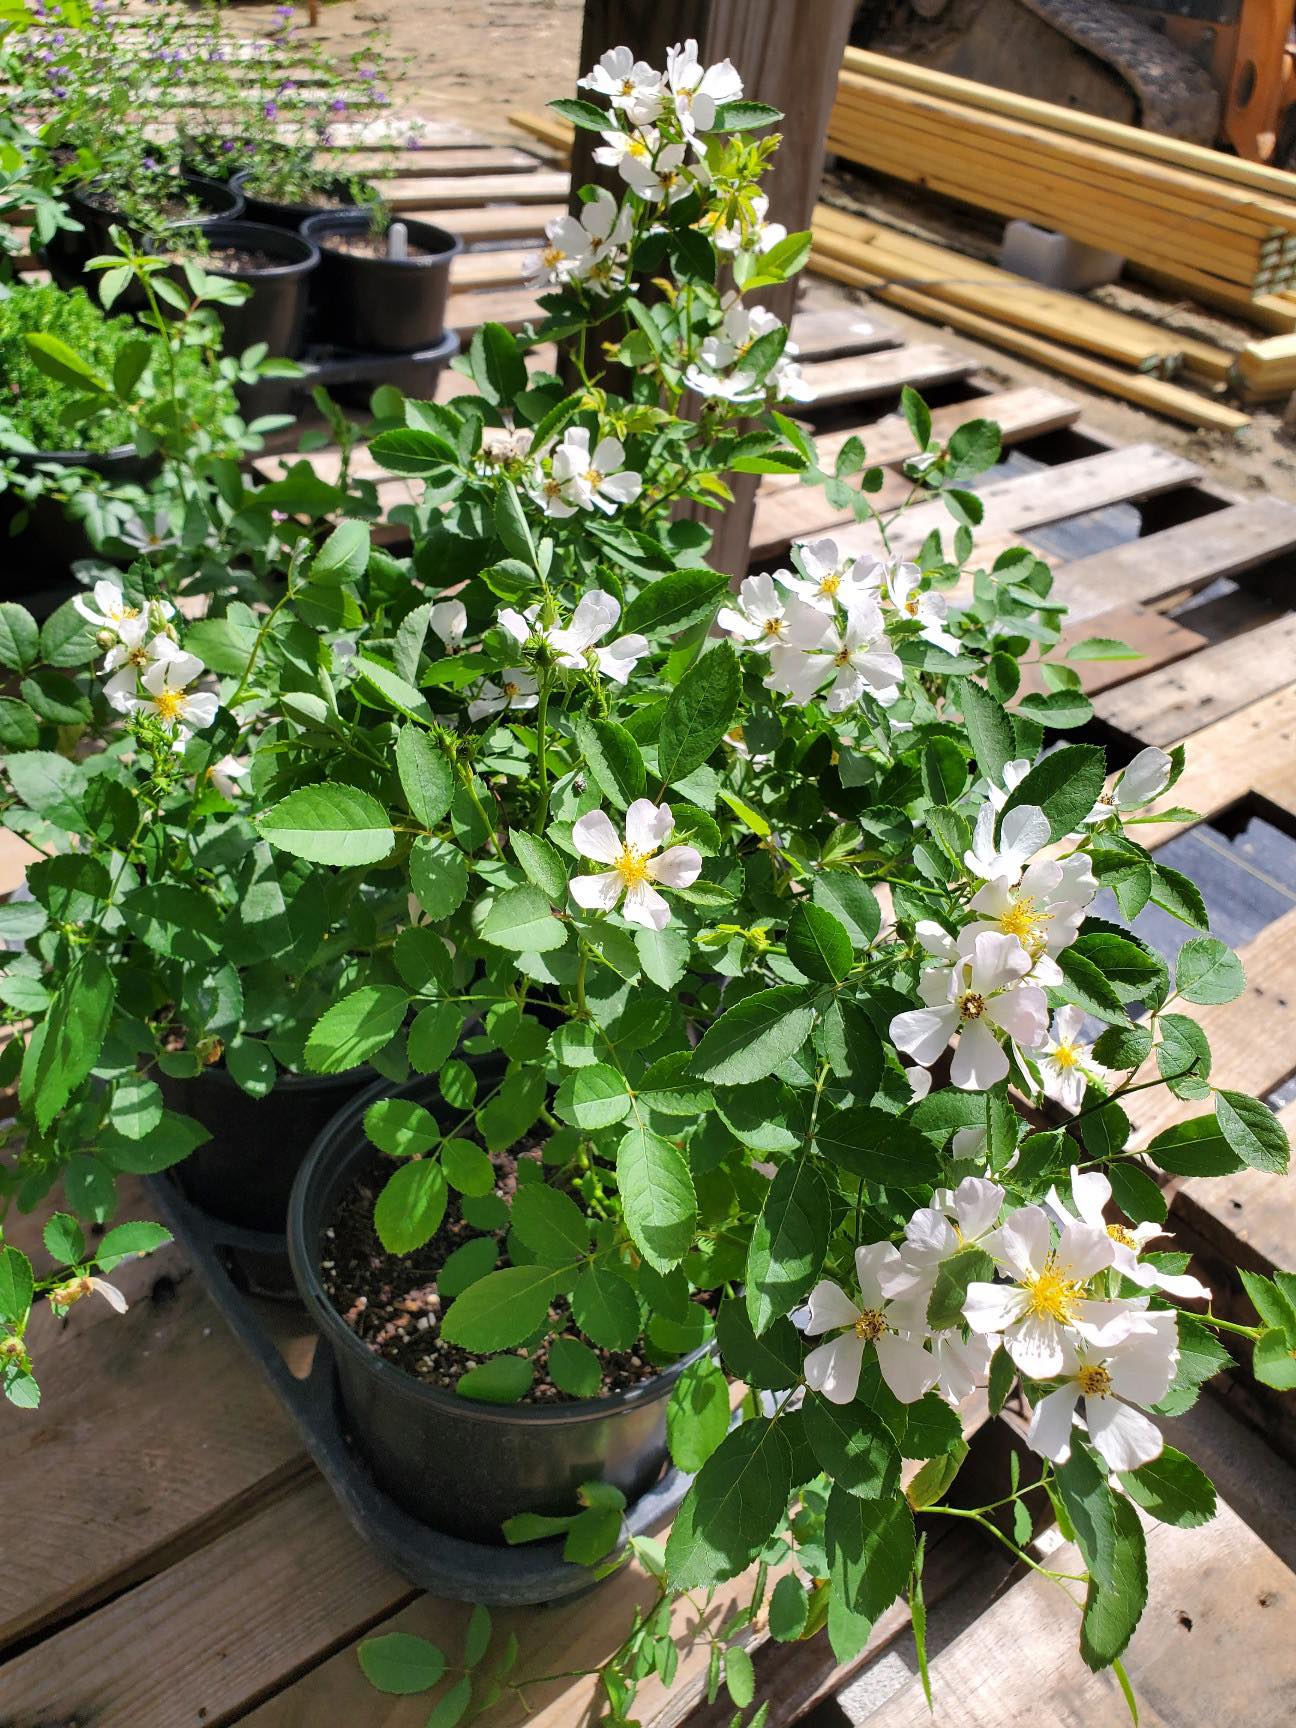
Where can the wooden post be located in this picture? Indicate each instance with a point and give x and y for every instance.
(789, 53)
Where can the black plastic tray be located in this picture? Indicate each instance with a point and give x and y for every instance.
(495, 1576)
(350, 376)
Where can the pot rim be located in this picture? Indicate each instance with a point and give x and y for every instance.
(74, 458)
(288, 267)
(303, 1254)
(315, 228)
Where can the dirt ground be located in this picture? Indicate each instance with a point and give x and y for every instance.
(476, 60)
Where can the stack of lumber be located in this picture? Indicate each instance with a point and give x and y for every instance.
(1187, 222)
(1060, 331)
(1266, 370)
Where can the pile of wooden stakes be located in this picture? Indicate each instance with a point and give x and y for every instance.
(1189, 223)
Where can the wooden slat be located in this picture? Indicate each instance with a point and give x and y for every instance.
(541, 186)
(1048, 495)
(512, 307)
(1208, 1651)
(827, 332)
(204, 1640)
(1161, 642)
(1019, 414)
(1182, 698)
(1253, 1039)
(1188, 556)
(491, 222)
(1252, 751)
(153, 1425)
(430, 165)
(922, 364)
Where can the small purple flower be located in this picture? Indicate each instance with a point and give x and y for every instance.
(149, 163)
(227, 145)
(413, 142)
(271, 110)
(284, 11)
(338, 105)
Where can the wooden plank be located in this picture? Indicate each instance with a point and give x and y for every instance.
(206, 1639)
(1019, 414)
(1154, 394)
(541, 186)
(1250, 1216)
(1253, 1039)
(152, 1427)
(829, 332)
(1252, 751)
(430, 165)
(1208, 1650)
(921, 364)
(1048, 495)
(1179, 700)
(512, 307)
(1161, 641)
(492, 222)
(1190, 555)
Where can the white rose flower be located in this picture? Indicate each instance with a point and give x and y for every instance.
(631, 85)
(636, 863)
(168, 697)
(1091, 1194)
(448, 620)
(980, 990)
(759, 617)
(1110, 1379)
(518, 690)
(1146, 778)
(888, 1326)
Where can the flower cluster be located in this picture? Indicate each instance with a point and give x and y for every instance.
(1055, 1308)
(148, 673)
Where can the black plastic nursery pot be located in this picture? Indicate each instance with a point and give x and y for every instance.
(458, 1465)
(390, 305)
(67, 254)
(336, 196)
(38, 560)
(276, 265)
(244, 1174)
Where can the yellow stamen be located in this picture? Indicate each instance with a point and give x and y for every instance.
(1094, 1382)
(170, 705)
(972, 1005)
(831, 583)
(637, 147)
(870, 1326)
(1023, 920)
(1066, 1056)
(1052, 1295)
(594, 477)
(1119, 1233)
(773, 626)
(553, 256)
(632, 866)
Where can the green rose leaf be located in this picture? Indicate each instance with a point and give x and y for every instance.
(343, 557)
(502, 1310)
(1252, 1131)
(870, 1547)
(409, 1210)
(522, 920)
(733, 1507)
(613, 759)
(698, 713)
(657, 1196)
(1172, 1489)
(426, 777)
(788, 1243)
(400, 1663)
(751, 1039)
(818, 944)
(550, 1224)
(330, 824)
(1207, 971)
(697, 1417)
(1112, 1610)
(1065, 785)
(349, 1032)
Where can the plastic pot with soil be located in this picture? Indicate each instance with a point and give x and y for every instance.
(198, 200)
(276, 265)
(244, 1174)
(380, 289)
(459, 1465)
(282, 210)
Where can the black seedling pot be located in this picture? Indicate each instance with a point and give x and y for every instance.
(245, 1172)
(37, 561)
(68, 254)
(458, 1465)
(387, 305)
(259, 209)
(275, 311)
